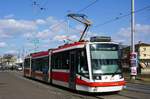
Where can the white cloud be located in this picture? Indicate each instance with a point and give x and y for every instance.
(49, 32)
(142, 28)
(23, 32)
(139, 29)
(12, 27)
(142, 32)
(52, 27)
(28, 35)
(9, 16)
(44, 34)
(74, 37)
(58, 27)
(3, 44)
(29, 45)
(17, 24)
(40, 21)
(51, 20)
(4, 34)
(11, 52)
(125, 32)
(40, 28)
(64, 37)
(60, 37)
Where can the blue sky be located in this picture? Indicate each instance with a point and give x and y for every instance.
(22, 22)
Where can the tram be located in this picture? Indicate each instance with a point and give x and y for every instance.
(86, 66)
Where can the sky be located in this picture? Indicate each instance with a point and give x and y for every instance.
(27, 26)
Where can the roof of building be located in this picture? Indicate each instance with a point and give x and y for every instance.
(137, 45)
(142, 44)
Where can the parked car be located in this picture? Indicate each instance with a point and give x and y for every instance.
(19, 68)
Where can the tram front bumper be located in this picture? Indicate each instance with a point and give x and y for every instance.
(99, 89)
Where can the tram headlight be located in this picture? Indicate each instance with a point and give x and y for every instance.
(97, 77)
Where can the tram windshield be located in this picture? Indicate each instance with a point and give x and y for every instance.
(104, 58)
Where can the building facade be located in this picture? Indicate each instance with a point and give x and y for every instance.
(143, 52)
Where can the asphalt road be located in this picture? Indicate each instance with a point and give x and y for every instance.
(14, 86)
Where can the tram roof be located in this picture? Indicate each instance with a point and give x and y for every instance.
(68, 46)
(39, 54)
(62, 48)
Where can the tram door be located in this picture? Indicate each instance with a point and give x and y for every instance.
(72, 78)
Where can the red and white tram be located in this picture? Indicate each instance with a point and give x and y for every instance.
(90, 66)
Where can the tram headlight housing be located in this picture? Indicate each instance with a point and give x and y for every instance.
(97, 77)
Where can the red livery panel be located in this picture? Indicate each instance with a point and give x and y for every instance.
(61, 76)
(99, 84)
(69, 45)
(26, 71)
(39, 74)
(39, 54)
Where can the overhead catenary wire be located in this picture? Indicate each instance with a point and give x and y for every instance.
(81, 10)
(101, 24)
(38, 6)
(120, 17)
(89, 5)
(41, 7)
(86, 7)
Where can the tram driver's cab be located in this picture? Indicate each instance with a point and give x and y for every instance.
(100, 59)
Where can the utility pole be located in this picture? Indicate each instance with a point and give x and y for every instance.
(132, 26)
(133, 54)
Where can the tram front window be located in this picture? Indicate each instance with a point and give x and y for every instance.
(104, 59)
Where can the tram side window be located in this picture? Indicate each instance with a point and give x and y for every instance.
(82, 63)
(65, 60)
(40, 64)
(44, 64)
(27, 63)
(59, 66)
(55, 60)
(60, 60)
(34, 65)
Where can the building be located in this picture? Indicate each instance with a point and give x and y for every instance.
(143, 51)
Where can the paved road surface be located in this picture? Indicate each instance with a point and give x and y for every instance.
(142, 88)
(14, 86)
